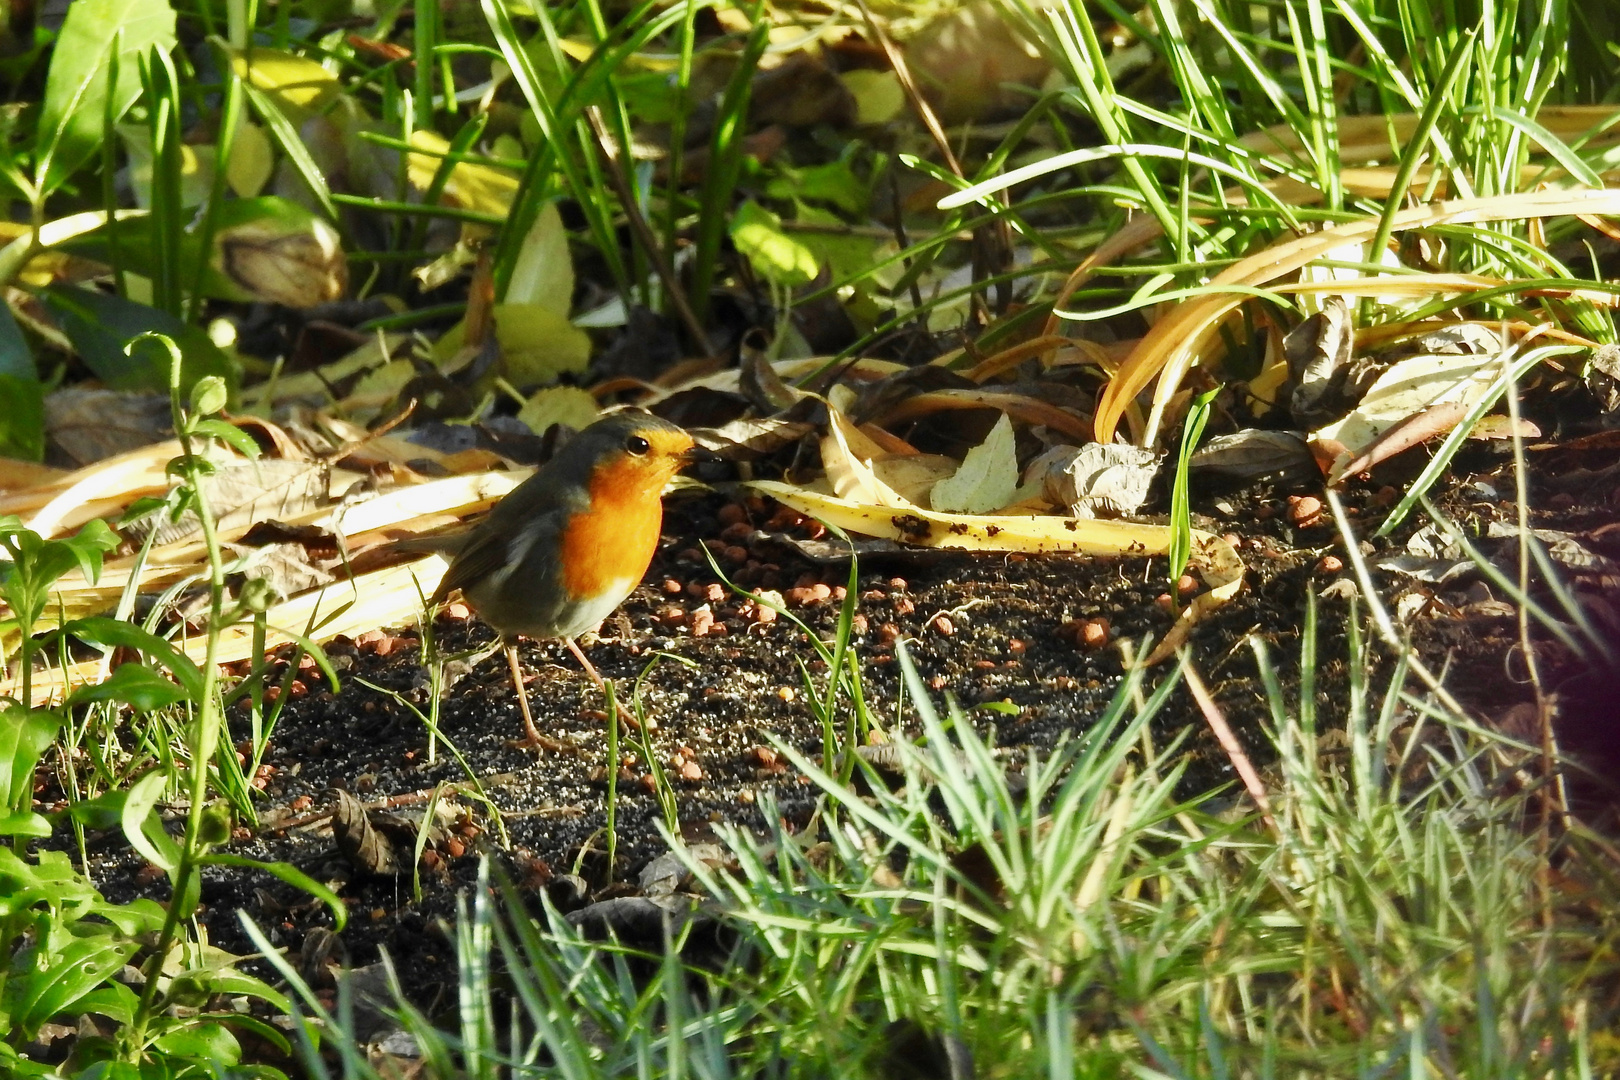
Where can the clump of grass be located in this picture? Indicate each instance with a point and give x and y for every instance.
(1068, 915)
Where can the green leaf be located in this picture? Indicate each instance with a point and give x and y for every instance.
(22, 398)
(291, 875)
(230, 435)
(25, 824)
(135, 685)
(775, 256)
(212, 1042)
(24, 735)
(100, 323)
(835, 183)
(104, 631)
(16, 359)
(22, 417)
(75, 109)
(69, 973)
(142, 798)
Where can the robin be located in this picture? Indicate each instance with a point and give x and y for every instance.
(565, 548)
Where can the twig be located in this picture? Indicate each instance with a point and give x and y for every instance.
(1229, 742)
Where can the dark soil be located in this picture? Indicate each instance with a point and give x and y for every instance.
(985, 630)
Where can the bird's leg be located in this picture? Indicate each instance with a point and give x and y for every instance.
(590, 670)
(531, 734)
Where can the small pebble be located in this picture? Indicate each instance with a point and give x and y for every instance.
(456, 612)
(888, 634)
(1093, 634)
(671, 615)
(701, 621)
(737, 532)
(1304, 510)
(766, 756)
(1165, 602)
(454, 848)
(673, 587)
(303, 802)
(904, 607)
(1016, 646)
(734, 554)
(1186, 584)
(691, 772)
(897, 583)
(942, 625)
(732, 514)
(1330, 564)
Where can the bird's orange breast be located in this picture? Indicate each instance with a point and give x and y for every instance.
(615, 537)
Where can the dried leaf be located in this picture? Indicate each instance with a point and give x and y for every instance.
(1095, 480)
(847, 455)
(987, 478)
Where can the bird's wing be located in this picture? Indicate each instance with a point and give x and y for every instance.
(532, 510)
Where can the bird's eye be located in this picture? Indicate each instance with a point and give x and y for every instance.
(637, 446)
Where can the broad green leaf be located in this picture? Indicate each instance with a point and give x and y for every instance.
(24, 735)
(543, 273)
(16, 358)
(196, 167)
(134, 684)
(73, 115)
(987, 479)
(212, 1042)
(775, 256)
(34, 996)
(25, 824)
(848, 257)
(835, 183)
(104, 631)
(879, 97)
(22, 398)
(100, 323)
(22, 417)
(143, 796)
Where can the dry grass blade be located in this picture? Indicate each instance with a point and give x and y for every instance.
(1179, 340)
(387, 597)
(1214, 559)
(1229, 742)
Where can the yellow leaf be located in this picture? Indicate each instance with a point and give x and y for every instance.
(988, 476)
(536, 345)
(251, 161)
(543, 274)
(567, 405)
(296, 83)
(878, 96)
(470, 186)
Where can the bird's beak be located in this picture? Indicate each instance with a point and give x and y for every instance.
(696, 454)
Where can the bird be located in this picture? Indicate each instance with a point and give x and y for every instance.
(567, 546)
